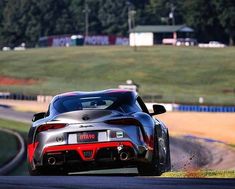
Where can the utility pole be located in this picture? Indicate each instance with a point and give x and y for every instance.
(132, 13)
(172, 13)
(86, 10)
(129, 16)
(132, 18)
(131, 21)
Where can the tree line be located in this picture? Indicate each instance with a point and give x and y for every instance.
(27, 20)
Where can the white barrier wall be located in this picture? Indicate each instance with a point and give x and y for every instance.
(41, 98)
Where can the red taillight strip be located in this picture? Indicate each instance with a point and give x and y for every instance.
(124, 121)
(31, 149)
(50, 126)
(128, 121)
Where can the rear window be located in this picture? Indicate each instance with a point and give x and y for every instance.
(123, 102)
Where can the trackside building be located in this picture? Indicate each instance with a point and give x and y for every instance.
(149, 35)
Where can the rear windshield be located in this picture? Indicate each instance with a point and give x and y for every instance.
(123, 102)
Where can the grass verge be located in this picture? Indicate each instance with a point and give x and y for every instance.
(9, 145)
(178, 74)
(7, 141)
(201, 174)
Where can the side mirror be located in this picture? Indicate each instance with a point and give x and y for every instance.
(38, 116)
(158, 109)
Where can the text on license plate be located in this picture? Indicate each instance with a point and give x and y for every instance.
(87, 137)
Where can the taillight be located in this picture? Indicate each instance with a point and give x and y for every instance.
(50, 126)
(127, 121)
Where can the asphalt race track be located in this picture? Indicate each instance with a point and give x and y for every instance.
(8, 113)
(185, 155)
(113, 182)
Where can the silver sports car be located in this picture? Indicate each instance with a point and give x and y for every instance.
(98, 130)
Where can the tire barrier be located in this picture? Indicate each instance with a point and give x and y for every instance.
(17, 96)
(195, 108)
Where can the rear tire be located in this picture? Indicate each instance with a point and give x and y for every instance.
(35, 172)
(148, 170)
(46, 171)
(168, 164)
(153, 168)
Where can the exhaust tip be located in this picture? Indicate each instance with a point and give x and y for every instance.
(51, 161)
(124, 156)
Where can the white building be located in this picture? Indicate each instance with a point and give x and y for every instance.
(148, 35)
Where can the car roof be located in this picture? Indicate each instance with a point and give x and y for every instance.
(107, 91)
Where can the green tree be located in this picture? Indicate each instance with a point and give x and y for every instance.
(26, 21)
(113, 16)
(155, 10)
(77, 15)
(226, 17)
(202, 16)
(12, 30)
(2, 6)
(95, 26)
(55, 17)
(30, 22)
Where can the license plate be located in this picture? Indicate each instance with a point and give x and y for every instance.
(87, 137)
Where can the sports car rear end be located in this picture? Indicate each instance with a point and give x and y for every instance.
(84, 131)
(89, 144)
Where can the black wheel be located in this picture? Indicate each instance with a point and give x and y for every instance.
(148, 170)
(153, 168)
(168, 155)
(46, 171)
(34, 172)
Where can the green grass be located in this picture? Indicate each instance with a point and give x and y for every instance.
(201, 174)
(179, 74)
(22, 128)
(7, 142)
(9, 145)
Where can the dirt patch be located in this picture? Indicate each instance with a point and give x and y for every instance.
(222, 156)
(5, 80)
(188, 154)
(218, 126)
(193, 155)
